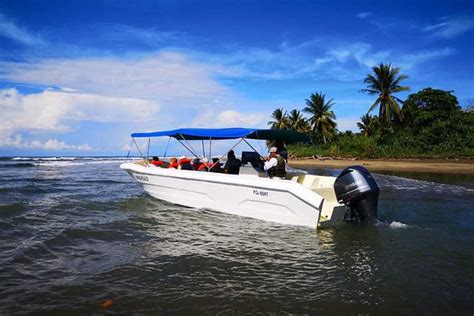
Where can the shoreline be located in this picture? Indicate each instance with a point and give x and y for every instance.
(463, 167)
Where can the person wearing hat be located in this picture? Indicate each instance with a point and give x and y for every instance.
(206, 165)
(275, 165)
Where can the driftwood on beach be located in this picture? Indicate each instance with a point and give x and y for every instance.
(322, 158)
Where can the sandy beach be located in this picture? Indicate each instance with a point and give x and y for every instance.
(465, 167)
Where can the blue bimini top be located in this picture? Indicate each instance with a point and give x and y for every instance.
(229, 133)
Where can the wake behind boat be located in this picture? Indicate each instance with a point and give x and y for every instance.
(297, 198)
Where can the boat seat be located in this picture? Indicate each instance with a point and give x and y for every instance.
(327, 193)
(308, 181)
(141, 163)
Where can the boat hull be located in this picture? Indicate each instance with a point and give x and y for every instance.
(275, 200)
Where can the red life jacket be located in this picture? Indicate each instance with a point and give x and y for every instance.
(173, 165)
(156, 162)
(184, 161)
(204, 166)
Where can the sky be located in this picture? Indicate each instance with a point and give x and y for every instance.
(77, 77)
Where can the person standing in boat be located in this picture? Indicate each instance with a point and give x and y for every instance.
(232, 166)
(275, 165)
(282, 151)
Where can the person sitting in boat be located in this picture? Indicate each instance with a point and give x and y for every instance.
(196, 163)
(173, 163)
(275, 165)
(232, 166)
(216, 166)
(156, 161)
(185, 163)
(205, 165)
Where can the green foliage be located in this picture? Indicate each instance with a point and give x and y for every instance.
(369, 125)
(345, 146)
(434, 126)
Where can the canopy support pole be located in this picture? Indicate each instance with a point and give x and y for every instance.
(148, 149)
(209, 168)
(252, 147)
(203, 150)
(259, 144)
(191, 151)
(210, 148)
(141, 154)
(186, 147)
(130, 148)
(166, 150)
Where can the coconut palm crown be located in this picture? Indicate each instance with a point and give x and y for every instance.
(385, 82)
(322, 119)
(280, 119)
(297, 122)
(368, 124)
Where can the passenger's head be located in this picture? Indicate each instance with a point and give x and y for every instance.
(279, 144)
(273, 151)
(155, 158)
(231, 154)
(173, 160)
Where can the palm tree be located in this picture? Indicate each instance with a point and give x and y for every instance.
(368, 124)
(385, 83)
(297, 122)
(322, 119)
(280, 119)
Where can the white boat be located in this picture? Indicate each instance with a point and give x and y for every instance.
(299, 199)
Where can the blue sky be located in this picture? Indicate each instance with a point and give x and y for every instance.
(77, 77)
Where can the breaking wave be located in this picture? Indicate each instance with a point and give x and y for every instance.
(407, 184)
(21, 162)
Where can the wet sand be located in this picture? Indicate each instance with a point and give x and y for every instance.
(465, 167)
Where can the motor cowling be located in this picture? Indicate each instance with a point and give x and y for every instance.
(356, 188)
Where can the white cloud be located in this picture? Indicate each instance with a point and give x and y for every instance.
(50, 144)
(54, 144)
(409, 61)
(52, 111)
(451, 27)
(209, 117)
(167, 77)
(9, 29)
(363, 15)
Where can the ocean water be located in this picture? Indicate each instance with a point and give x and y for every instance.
(79, 237)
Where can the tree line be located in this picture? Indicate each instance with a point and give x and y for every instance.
(429, 123)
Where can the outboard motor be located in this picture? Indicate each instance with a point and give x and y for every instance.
(356, 188)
